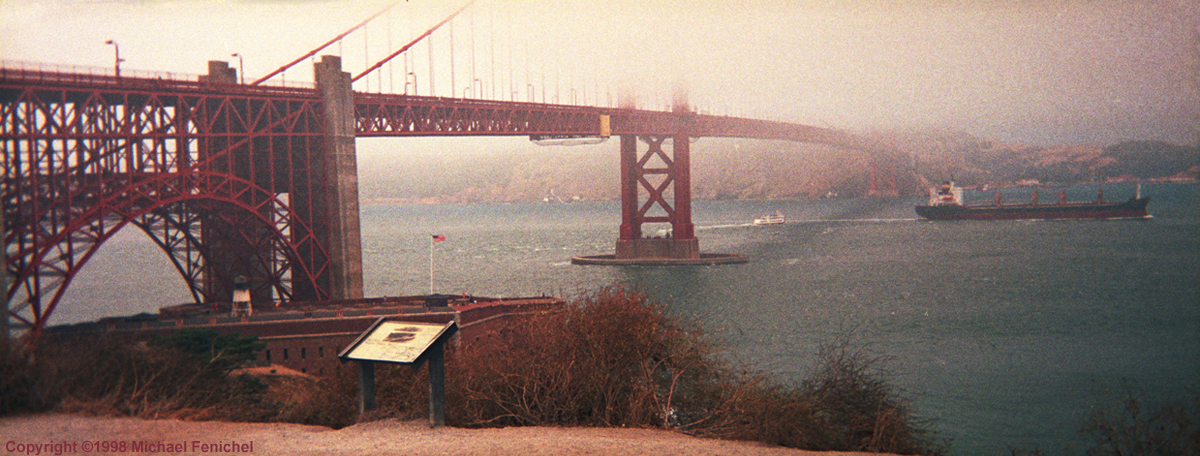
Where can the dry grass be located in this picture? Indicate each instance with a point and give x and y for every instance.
(611, 359)
(615, 359)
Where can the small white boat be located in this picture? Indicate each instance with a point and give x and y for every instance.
(771, 219)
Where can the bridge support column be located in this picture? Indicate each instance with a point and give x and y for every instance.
(341, 173)
(667, 183)
(8, 327)
(656, 172)
(881, 180)
(234, 244)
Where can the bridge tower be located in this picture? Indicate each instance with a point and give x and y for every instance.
(658, 173)
(881, 178)
(341, 176)
(656, 187)
(237, 248)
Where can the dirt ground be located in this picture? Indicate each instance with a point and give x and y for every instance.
(85, 435)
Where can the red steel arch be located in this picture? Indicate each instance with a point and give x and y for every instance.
(228, 180)
(201, 197)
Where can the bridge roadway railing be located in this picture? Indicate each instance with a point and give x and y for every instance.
(41, 74)
(407, 115)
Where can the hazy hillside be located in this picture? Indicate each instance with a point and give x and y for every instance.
(721, 168)
(515, 170)
(971, 160)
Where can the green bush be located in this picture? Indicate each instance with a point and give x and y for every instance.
(19, 382)
(187, 375)
(214, 351)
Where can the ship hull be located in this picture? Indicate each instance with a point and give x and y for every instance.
(1134, 208)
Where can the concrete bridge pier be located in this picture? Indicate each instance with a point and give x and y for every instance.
(341, 179)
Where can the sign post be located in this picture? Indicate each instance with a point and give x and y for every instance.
(366, 386)
(402, 342)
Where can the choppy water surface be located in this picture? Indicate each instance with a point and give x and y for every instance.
(1006, 332)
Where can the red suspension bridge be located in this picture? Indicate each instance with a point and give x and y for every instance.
(258, 180)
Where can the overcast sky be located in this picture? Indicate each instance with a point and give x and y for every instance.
(1040, 72)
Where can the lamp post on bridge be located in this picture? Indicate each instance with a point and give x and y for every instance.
(116, 57)
(241, 67)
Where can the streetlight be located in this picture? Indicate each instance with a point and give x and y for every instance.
(241, 67)
(116, 57)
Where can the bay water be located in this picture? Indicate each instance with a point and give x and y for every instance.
(1007, 334)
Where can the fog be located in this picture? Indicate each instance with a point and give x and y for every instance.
(1035, 72)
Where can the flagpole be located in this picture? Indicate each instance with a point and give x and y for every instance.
(431, 265)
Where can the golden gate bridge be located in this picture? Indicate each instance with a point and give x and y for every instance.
(258, 180)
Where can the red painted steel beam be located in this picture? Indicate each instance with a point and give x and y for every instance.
(82, 149)
(406, 115)
(631, 224)
(85, 156)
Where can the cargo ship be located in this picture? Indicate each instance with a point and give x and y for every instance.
(946, 203)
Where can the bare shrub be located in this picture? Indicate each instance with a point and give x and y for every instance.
(402, 391)
(615, 359)
(610, 359)
(302, 400)
(19, 382)
(1131, 430)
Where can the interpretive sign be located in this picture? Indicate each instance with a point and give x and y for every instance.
(395, 341)
(403, 342)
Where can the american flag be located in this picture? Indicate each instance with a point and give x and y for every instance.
(438, 238)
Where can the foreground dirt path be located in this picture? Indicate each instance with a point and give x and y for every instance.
(75, 434)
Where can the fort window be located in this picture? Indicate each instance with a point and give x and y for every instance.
(267, 353)
(320, 352)
(285, 354)
(303, 352)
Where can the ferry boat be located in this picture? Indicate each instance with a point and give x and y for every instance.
(946, 203)
(771, 219)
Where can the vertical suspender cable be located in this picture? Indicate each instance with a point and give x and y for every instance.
(492, 47)
(471, 81)
(323, 46)
(366, 54)
(431, 91)
(417, 40)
